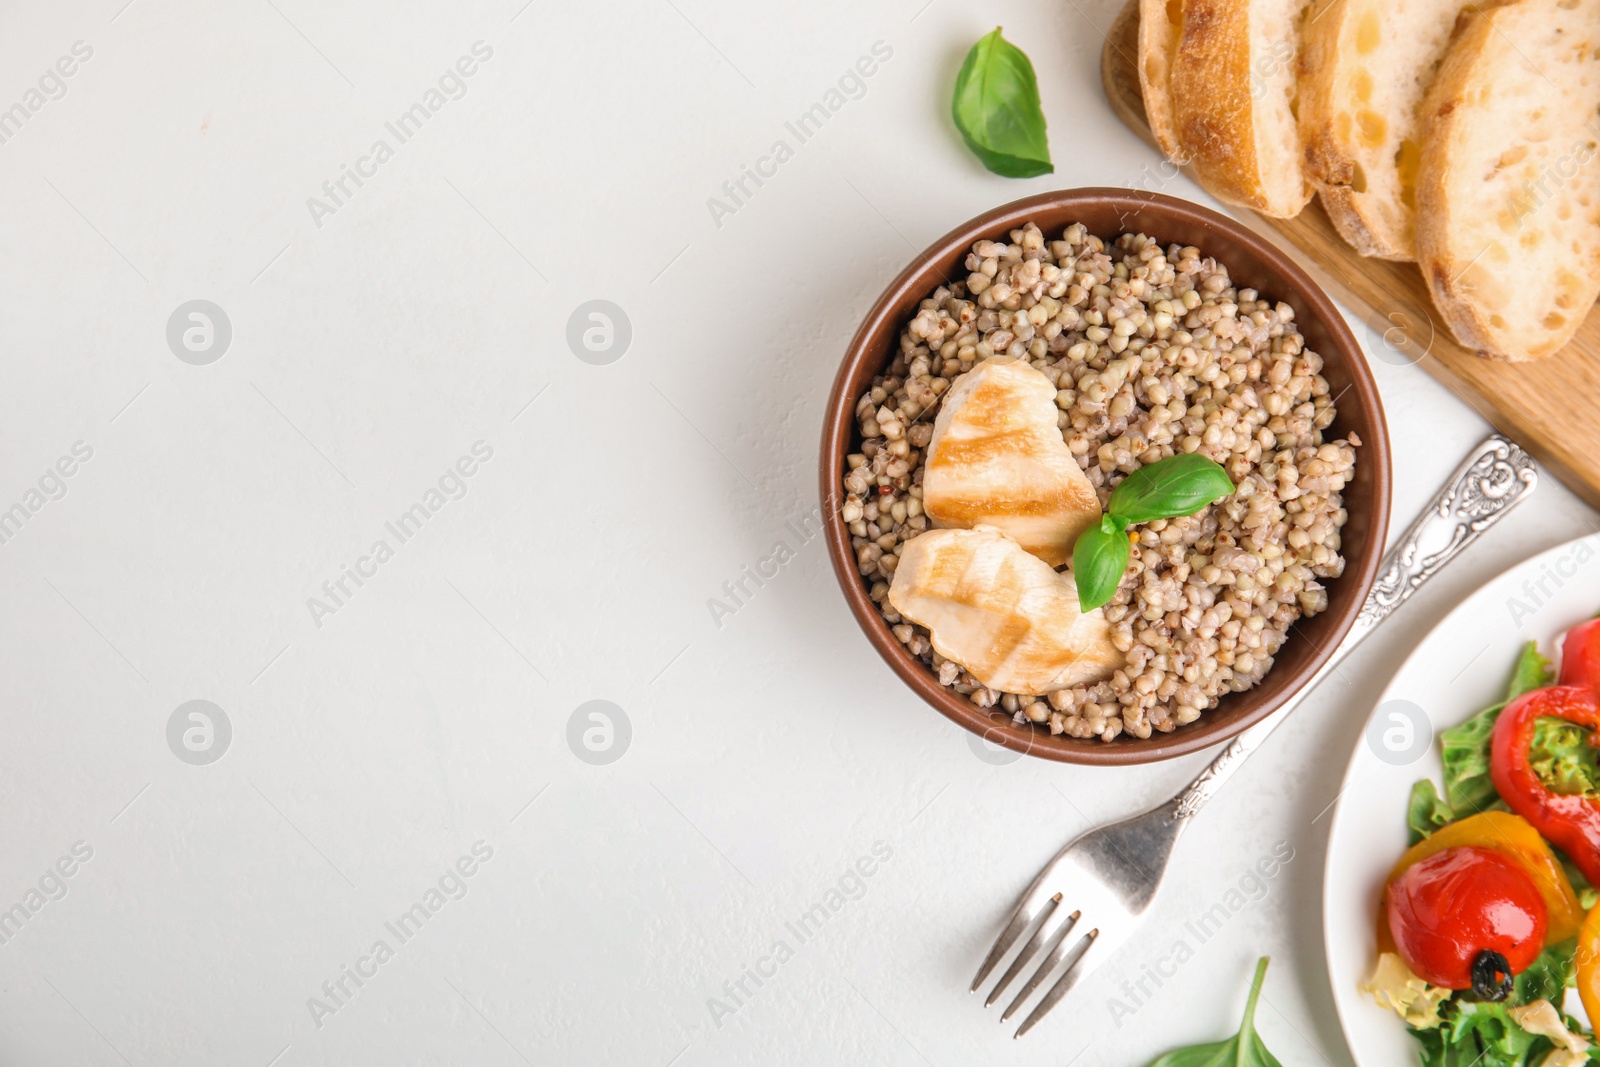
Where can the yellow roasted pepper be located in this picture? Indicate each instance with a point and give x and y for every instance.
(1515, 838)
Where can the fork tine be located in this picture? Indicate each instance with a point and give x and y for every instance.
(1027, 911)
(1045, 935)
(1061, 951)
(1059, 990)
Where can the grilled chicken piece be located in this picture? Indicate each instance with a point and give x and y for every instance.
(997, 458)
(1003, 614)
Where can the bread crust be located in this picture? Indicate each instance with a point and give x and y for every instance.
(1332, 170)
(1449, 111)
(1211, 104)
(1359, 227)
(1225, 122)
(1158, 37)
(1442, 111)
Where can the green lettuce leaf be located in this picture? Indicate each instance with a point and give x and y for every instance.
(1465, 751)
(1484, 1034)
(1547, 977)
(1587, 896)
(1563, 758)
(1533, 671)
(1428, 811)
(1480, 1034)
(1465, 748)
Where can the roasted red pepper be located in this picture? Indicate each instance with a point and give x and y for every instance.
(1571, 823)
(1580, 656)
(1467, 917)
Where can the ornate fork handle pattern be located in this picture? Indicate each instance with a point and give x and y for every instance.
(1493, 479)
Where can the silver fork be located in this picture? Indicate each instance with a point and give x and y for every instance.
(1109, 875)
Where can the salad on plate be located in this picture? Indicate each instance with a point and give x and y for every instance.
(1489, 919)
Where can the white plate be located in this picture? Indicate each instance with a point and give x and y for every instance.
(1461, 667)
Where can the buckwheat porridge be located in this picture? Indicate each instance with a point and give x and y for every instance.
(1153, 353)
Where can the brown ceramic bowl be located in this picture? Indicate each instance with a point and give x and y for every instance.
(1253, 263)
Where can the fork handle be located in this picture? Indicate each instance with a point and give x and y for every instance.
(1494, 478)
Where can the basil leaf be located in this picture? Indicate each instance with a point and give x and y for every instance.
(1427, 811)
(996, 108)
(1168, 488)
(1533, 671)
(1165, 489)
(1243, 1049)
(1098, 561)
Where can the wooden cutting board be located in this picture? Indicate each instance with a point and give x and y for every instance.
(1551, 407)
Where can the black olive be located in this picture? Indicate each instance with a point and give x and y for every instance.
(1491, 976)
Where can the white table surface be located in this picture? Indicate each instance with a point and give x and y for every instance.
(370, 352)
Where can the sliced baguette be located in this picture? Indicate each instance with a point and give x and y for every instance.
(1508, 186)
(1233, 85)
(1159, 24)
(1366, 66)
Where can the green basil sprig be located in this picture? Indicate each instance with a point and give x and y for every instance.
(1099, 560)
(996, 108)
(1243, 1049)
(1166, 489)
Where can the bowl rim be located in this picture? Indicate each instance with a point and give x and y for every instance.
(922, 276)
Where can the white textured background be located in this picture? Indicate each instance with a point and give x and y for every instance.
(372, 351)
